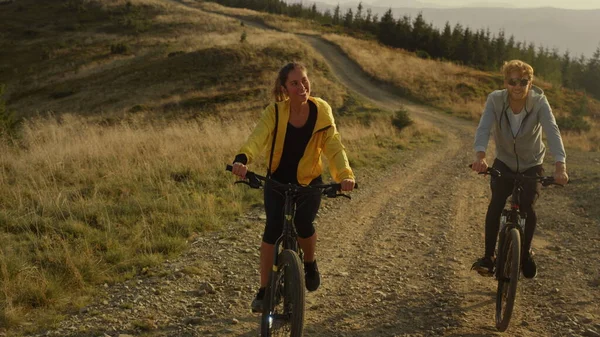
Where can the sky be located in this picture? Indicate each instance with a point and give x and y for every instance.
(570, 4)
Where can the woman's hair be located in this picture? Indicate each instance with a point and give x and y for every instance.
(517, 65)
(278, 92)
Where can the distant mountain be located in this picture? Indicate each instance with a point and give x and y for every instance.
(565, 29)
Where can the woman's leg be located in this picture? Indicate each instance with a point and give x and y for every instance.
(266, 262)
(306, 211)
(308, 246)
(274, 203)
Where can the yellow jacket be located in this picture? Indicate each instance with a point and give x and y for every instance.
(325, 138)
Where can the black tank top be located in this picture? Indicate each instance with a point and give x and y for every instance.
(294, 146)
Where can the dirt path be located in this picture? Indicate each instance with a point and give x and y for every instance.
(395, 260)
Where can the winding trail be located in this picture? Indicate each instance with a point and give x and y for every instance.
(395, 260)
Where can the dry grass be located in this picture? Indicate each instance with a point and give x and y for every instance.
(125, 162)
(456, 89)
(587, 141)
(443, 84)
(85, 203)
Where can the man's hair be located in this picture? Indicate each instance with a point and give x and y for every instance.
(517, 65)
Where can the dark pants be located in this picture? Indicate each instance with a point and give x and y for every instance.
(307, 206)
(501, 190)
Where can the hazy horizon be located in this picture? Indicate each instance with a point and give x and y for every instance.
(563, 29)
(574, 4)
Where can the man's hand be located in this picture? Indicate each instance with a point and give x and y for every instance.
(480, 165)
(560, 173)
(239, 170)
(347, 185)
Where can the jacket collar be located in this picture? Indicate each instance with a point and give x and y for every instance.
(324, 115)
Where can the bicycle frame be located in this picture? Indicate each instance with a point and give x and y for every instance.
(288, 238)
(291, 254)
(512, 216)
(510, 245)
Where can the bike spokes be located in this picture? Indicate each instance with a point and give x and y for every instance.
(285, 313)
(508, 277)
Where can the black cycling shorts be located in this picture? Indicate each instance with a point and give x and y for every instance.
(307, 206)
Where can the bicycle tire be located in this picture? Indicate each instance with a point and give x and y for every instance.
(283, 314)
(508, 278)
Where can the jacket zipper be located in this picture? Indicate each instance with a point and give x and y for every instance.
(322, 129)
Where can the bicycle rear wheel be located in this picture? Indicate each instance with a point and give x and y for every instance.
(283, 313)
(507, 273)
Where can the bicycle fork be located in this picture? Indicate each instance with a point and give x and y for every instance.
(288, 241)
(508, 220)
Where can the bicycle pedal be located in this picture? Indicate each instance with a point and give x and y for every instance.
(485, 273)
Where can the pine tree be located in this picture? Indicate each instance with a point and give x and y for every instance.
(457, 36)
(566, 71)
(336, 15)
(446, 46)
(592, 74)
(420, 36)
(358, 17)
(387, 27)
(348, 18)
(465, 48)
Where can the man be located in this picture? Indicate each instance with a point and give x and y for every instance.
(517, 115)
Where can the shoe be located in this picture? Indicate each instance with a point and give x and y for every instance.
(484, 266)
(257, 302)
(312, 278)
(528, 266)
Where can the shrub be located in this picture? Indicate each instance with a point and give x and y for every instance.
(573, 123)
(243, 37)
(422, 54)
(138, 108)
(401, 119)
(175, 53)
(119, 48)
(8, 122)
(583, 108)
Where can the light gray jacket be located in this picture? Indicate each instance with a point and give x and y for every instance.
(526, 149)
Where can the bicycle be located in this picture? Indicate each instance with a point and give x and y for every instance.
(283, 304)
(508, 261)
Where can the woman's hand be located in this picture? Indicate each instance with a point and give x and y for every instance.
(239, 170)
(347, 185)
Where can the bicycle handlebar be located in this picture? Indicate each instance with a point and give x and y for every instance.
(256, 181)
(545, 180)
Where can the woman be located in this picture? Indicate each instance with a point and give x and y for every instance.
(517, 114)
(305, 128)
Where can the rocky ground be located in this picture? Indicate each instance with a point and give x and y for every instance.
(394, 260)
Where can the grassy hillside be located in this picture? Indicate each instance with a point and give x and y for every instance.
(452, 88)
(128, 112)
(117, 55)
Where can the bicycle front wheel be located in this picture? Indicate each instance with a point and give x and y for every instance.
(283, 314)
(508, 277)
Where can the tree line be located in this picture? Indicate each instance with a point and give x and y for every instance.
(476, 48)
